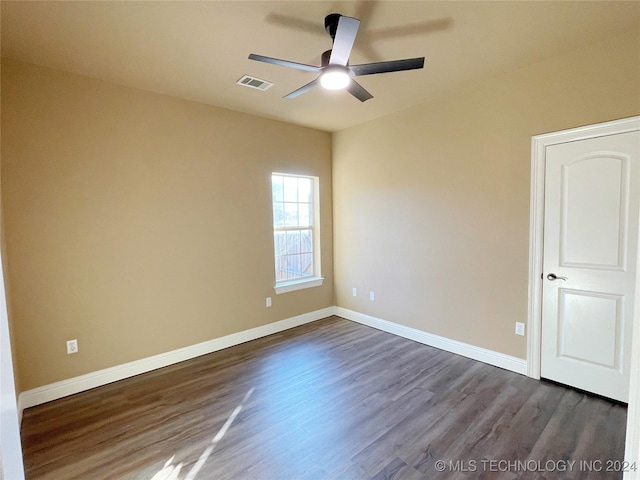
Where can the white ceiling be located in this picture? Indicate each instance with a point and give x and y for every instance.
(198, 50)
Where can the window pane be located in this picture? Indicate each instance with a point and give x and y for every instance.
(306, 241)
(294, 266)
(304, 212)
(293, 242)
(305, 191)
(290, 189)
(291, 214)
(286, 269)
(306, 261)
(281, 269)
(278, 214)
(277, 188)
(280, 243)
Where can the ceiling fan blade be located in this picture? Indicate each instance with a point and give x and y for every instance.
(358, 91)
(285, 63)
(343, 42)
(384, 67)
(303, 89)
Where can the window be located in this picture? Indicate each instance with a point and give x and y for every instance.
(296, 232)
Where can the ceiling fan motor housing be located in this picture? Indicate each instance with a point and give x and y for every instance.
(331, 24)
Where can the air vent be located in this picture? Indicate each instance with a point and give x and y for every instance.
(254, 82)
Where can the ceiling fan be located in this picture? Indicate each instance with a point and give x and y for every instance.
(335, 71)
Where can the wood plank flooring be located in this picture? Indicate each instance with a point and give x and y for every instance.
(329, 400)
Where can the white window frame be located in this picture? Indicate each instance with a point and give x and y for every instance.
(316, 279)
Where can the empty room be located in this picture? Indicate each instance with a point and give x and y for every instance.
(328, 240)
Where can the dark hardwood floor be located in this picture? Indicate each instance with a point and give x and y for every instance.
(329, 400)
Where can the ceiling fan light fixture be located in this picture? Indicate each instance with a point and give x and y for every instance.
(335, 78)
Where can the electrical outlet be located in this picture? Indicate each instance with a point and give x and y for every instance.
(372, 296)
(520, 328)
(355, 292)
(72, 346)
(268, 301)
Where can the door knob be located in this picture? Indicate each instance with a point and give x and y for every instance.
(553, 276)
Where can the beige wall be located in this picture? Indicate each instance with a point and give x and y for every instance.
(11, 465)
(431, 205)
(4, 266)
(139, 223)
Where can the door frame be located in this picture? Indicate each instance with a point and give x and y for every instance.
(539, 144)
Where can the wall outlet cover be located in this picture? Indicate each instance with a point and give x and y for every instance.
(72, 346)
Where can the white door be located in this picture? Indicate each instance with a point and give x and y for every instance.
(592, 196)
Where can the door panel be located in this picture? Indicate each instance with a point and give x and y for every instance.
(594, 206)
(602, 345)
(590, 244)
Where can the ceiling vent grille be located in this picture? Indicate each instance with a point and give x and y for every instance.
(253, 82)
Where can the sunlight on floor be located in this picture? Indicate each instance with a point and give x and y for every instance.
(171, 472)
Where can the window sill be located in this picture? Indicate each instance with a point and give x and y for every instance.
(298, 285)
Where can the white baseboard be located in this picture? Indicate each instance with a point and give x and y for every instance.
(64, 388)
(54, 391)
(496, 359)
